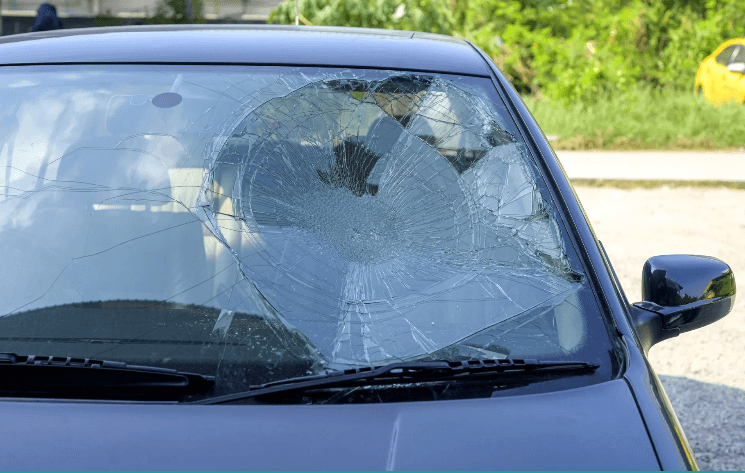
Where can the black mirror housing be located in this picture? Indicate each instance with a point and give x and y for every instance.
(684, 292)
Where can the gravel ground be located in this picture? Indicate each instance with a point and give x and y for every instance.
(703, 371)
(713, 418)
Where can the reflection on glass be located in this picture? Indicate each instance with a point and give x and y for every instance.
(273, 218)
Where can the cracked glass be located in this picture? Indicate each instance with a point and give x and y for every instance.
(263, 222)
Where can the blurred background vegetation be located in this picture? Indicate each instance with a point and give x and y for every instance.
(595, 73)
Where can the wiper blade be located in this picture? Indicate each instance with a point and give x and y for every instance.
(414, 372)
(85, 378)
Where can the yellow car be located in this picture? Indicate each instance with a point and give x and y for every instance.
(721, 76)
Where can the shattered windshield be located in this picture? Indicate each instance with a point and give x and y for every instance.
(261, 222)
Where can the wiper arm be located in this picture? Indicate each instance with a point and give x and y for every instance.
(86, 378)
(413, 372)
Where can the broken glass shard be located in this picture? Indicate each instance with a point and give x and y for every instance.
(387, 219)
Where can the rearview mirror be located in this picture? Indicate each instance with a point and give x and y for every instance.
(682, 293)
(738, 67)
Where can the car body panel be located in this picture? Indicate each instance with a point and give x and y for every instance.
(626, 423)
(587, 428)
(227, 44)
(718, 84)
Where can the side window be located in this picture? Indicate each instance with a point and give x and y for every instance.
(726, 55)
(739, 55)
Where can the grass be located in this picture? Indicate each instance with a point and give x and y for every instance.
(628, 184)
(641, 119)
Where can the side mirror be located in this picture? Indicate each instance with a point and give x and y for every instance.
(682, 293)
(738, 67)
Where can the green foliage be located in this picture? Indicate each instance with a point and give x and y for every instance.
(433, 16)
(575, 49)
(175, 11)
(107, 19)
(640, 118)
(565, 50)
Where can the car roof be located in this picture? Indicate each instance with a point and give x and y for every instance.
(247, 44)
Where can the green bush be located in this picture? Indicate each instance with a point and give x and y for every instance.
(175, 11)
(565, 50)
(418, 15)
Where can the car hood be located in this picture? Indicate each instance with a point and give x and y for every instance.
(591, 428)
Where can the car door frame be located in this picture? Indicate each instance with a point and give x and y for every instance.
(716, 89)
(731, 79)
(735, 82)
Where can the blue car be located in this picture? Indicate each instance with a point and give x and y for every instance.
(232, 247)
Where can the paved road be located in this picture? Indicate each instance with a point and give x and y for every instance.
(655, 165)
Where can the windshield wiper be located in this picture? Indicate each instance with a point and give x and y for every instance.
(414, 372)
(85, 378)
